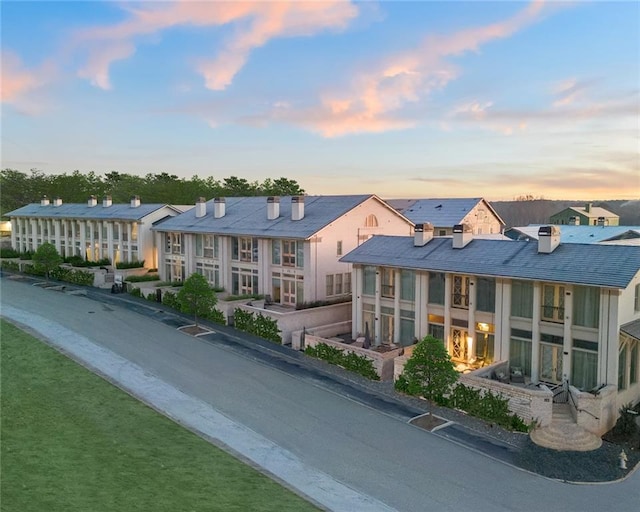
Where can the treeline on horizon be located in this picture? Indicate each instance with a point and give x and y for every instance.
(19, 188)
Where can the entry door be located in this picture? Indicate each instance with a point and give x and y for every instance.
(551, 363)
(288, 292)
(458, 344)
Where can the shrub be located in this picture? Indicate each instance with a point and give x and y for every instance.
(626, 425)
(26, 255)
(70, 275)
(141, 279)
(135, 292)
(170, 299)
(319, 303)
(216, 316)
(10, 265)
(348, 360)
(33, 270)
(254, 296)
(77, 261)
(175, 284)
(8, 252)
(129, 264)
(260, 325)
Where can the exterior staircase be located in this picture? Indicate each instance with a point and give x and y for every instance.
(564, 434)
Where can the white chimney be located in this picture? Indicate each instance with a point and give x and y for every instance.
(201, 207)
(422, 234)
(219, 207)
(587, 207)
(273, 207)
(135, 201)
(44, 201)
(92, 201)
(106, 201)
(548, 239)
(57, 201)
(462, 235)
(297, 208)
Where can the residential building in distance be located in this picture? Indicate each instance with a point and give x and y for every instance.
(588, 215)
(624, 235)
(286, 248)
(560, 314)
(92, 231)
(443, 214)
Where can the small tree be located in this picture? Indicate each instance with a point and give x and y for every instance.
(429, 372)
(46, 259)
(196, 297)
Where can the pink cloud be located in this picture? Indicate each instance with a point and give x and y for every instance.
(16, 80)
(265, 21)
(377, 98)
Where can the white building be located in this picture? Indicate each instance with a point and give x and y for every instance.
(558, 313)
(443, 214)
(92, 231)
(288, 248)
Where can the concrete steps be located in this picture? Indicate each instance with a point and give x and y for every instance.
(564, 434)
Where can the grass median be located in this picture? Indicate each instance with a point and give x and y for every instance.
(73, 442)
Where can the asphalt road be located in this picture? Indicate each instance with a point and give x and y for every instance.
(371, 451)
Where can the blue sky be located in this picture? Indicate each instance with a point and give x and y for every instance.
(401, 99)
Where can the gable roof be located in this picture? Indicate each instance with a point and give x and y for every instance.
(594, 212)
(578, 234)
(439, 212)
(595, 265)
(632, 329)
(248, 216)
(83, 211)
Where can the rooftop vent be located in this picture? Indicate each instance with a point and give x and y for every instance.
(422, 234)
(107, 201)
(44, 201)
(273, 207)
(135, 201)
(92, 201)
(548, 239)
(219, 207)
(462, 235)
(201, 207)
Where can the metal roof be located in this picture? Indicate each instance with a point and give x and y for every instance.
(578, 234)
(122, 211)
(595, 265)
(632, 329)
(439, 212)
(248, 216)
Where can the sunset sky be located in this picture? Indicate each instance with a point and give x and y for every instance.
(400, 99)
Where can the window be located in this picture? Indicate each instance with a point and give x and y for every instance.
(485, 343)
(134, 232)
(289, 253)
(338, 284)
(436, 326)
(204, 246)
(174, 270)
(388, 282)
(371, 221)
(520, 350)
(522, 299)
(586, 306)
(244, 281)
(210, 271)
(584, 365)
(407, 285)
(369, 280)
(387, 322)
(407, 327)
(436, 288)
(173, 243)
(633, 362)
(329, 279)
(442, 232)
(347, 283)
(553, 303)
(486, 294)
(460, 292)
(627, 362)
(116, 231)
(636, 302)
(244, 249)
(276, 248)
(339, 248)
(622, 367)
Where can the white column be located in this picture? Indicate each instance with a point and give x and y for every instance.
(110, 253)
(567, 339)
(396, 306)
(504, 320)
(225, 262)
(34, 235)
(420, 306)
(14, 226)
(356, 301)
(535, 331)
(92, 238)
(57, 235)
(189, 244)
(83, 239)
(129, 242)
(448, 280)
(471, 331)
(377, 319)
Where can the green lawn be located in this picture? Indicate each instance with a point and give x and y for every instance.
(73, 442)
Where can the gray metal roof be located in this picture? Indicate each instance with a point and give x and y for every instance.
(632, 329)
(439, 212)
(595, 265)
(578, 234)
(248, 216)
(83, 211)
